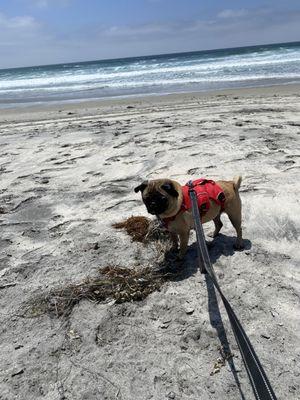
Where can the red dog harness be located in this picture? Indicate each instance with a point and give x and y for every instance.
(206, 190)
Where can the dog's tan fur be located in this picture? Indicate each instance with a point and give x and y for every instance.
(183, 222)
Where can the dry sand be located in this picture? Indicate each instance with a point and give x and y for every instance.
(68, 173)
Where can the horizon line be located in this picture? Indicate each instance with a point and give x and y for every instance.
(149, 55)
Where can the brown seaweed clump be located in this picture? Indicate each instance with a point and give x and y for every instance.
(136, 227)
(120, 284)
(142, 229)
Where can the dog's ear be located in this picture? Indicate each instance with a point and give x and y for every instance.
(169, 188)
(141, 187)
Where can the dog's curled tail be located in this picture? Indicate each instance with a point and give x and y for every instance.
(237, 182)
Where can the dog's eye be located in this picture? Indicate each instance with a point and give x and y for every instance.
(169, 188)
(166, 186)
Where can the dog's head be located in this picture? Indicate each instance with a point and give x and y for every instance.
(160, 196)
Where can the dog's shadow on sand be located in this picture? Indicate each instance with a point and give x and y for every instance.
(222, 245)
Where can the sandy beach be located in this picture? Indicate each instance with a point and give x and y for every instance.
(67, 174)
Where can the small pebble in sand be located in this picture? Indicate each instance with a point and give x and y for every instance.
(189, 310)
(263, 335)
(17, 371)
(171, 395)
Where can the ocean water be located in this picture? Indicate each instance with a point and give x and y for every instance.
(168, 73)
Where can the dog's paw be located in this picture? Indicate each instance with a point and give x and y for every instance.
(239, 246)
(180, 256)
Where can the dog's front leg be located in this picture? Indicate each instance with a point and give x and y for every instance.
(184, 240)
(174, 238)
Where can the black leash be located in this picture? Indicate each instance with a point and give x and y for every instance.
(258, 378)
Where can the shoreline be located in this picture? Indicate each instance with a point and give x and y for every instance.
(86, 107)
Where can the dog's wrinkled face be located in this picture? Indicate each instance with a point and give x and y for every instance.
(158, 195)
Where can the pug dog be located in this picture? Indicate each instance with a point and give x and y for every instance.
(165, 197)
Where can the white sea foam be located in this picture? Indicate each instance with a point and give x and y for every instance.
(102, 75)
(156, 83)
(212, 72)
(184, 70)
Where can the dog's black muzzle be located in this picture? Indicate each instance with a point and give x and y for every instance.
(156, 205)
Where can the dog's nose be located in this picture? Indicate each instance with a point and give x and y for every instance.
(151, 207)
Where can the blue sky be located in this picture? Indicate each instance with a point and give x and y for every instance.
(35, 32)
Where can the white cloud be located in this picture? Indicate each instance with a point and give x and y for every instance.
(145, 30)
(232, 13)
(26, 41)
(41, 3)
(17, 23)
(48, 3)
